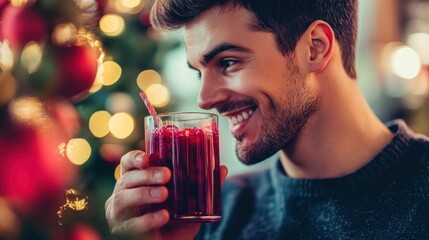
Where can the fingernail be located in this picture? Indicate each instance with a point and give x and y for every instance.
(139, 159)
(158, 216)
(155, 192)
(159, 175)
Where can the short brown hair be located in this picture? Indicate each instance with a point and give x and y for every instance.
(286, 19)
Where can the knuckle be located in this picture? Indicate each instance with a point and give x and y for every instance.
(116, 200)
(122, 181)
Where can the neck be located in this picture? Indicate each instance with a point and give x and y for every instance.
(340, 138)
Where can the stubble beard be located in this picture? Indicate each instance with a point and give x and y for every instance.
(283, 123)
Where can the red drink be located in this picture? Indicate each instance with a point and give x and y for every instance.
(192, 155)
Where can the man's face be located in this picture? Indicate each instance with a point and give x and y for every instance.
(247, 79)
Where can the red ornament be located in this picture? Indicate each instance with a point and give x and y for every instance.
(20, 25)
(77, 69)
(34, 172)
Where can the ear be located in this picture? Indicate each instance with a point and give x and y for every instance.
(320, 40)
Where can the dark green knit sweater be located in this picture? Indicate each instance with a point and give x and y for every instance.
(386, 199)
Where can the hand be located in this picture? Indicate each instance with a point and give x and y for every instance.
(141, 185)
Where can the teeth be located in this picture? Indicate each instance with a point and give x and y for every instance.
(234, 120)
(245, 116)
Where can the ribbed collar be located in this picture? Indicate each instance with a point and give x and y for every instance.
(387, 159)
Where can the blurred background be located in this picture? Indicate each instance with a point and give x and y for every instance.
(70, 77)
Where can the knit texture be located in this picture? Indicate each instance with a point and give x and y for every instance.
(386, 199)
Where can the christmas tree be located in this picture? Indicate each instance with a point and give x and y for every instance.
(70, 76)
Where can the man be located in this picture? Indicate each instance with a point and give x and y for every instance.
(283, 73)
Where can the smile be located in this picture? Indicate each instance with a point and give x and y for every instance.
(240, 117)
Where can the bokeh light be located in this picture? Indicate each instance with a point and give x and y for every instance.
(420, 43)
(31, 57)
(99, 123)
(158, 95)
(127, 6)
(7, 87)
(30, 111)
(109, 73)
(6, 57)
(121, 125)
(147, 78)
(405, 62)
(112, 25)
(120, 102)
(64, 33)
(20, 3)
(78, 151)
(117, 172)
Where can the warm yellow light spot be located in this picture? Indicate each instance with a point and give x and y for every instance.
(31, 57)
(7, 87)
(158, 95)
(30, 111)
(99, 123)
(112, 25)
(109, 73)
(147, 78)
(117, 172)
(405, 62)
(78, 151)
(64, 33)
(73, 202)
(120, 102)
(20, 3)
(121, 125)
(6, 57)
(128, 6)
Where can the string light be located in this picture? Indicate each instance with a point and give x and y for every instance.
(20, 3)
(158, 95)
(64, 33)
(120, 102)
(99, 123)
(109, 73)
(6, 56)
(7, 87)
(117, 172)
(147, 78)
(78, 151)
(128, 6)
(405, 62)
(420, 43)
(112, 25)
(121, 125)
(31, 57)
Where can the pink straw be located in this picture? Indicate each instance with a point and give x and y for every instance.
(149, 106)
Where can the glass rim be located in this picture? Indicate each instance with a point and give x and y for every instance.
(169, 114)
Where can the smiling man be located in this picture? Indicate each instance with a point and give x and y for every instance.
(283, 74)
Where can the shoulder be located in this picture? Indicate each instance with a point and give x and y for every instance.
(247, 181)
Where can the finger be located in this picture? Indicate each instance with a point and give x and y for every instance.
(134, 160)
(223, 173)
(124, 203)
(145, 177)
(144, 225)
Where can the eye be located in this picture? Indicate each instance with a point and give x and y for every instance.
(226, 64)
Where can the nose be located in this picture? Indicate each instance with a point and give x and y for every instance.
(213, 91)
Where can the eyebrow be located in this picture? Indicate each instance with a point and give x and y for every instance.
(222, 47)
